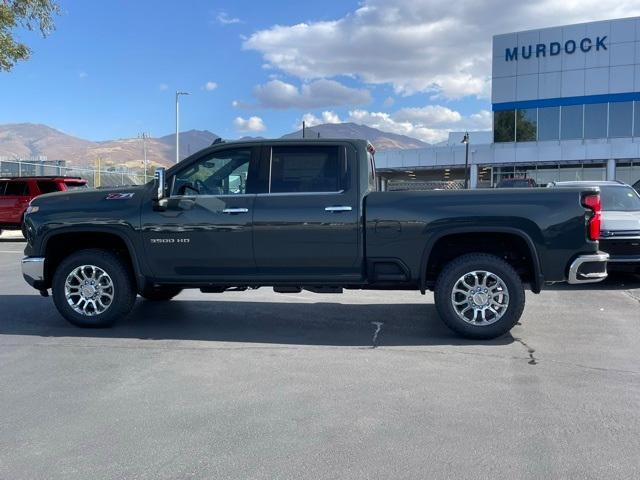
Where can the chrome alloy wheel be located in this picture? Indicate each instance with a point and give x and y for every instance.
(480, 298)
(89, 290)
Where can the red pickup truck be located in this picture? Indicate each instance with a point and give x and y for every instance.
(16, 193)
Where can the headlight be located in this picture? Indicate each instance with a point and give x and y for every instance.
(31, 209)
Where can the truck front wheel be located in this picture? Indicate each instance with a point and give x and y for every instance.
(93, 288)
(479, 296)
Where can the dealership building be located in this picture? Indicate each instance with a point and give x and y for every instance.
(566, 106)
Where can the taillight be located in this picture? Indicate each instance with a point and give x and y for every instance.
(592, 202)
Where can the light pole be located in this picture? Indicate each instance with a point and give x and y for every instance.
(465, 140)
(144, 149)
(178, 93)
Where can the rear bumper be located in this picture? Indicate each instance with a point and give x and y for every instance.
(588, 268)
(630, 259)
(33, 271)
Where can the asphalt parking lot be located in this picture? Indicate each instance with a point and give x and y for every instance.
(264, 385)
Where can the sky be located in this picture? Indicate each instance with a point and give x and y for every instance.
(416, 67)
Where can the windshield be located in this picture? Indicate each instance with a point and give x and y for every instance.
(619, 199)
(74, 186)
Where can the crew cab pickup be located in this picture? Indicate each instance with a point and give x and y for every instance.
(16, 193)
(306, 214)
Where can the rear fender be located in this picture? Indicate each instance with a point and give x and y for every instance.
(538, 278)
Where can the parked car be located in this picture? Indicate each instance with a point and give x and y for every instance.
(620, 231)
(305, 214)
(519, 182)
(16, 193)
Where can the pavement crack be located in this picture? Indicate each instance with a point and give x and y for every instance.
(632, 294)
(530, 350)
(378, 325)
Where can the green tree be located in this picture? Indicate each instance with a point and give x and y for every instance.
(526, 126)
(26, 14)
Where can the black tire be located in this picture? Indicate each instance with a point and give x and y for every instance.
(450, 276)
(124, 294)
(160, 294)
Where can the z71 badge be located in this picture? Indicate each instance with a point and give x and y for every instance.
(119, 196)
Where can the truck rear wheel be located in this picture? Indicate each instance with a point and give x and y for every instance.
(93, 288)
(160, 294)
(479, 296)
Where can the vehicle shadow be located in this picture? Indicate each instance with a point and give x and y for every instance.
(290, 323)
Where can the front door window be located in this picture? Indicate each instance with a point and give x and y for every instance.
(221, 173)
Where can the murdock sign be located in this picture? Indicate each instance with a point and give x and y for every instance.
(552, 49)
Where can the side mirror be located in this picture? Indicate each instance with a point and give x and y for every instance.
(160, 183)
(159, 195)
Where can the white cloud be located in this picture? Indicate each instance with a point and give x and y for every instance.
(251, 124)
(316, 94)
(210, 86)
(163, 86)
(434, 46)
(433, 115)
(430, 124)
(223, 18)
(82, 75)
(311, 120)
(330, 117)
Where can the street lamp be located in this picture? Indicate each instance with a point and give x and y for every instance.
(178, 93)
(145, 136)
(465, 140)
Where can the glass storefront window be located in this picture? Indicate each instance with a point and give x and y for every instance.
(527, 125)
(636, 122)
(620, 119)
(594, 172)
(545, 173)
(504, 126)
(628, 172)
(571, 122)
(548, 123)
(595, 120)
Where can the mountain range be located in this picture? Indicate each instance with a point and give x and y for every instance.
(29, 141)
(381, 140)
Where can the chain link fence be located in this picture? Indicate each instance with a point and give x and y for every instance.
(420, 185)
(94, 177)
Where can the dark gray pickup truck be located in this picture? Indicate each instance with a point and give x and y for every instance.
(305, 214)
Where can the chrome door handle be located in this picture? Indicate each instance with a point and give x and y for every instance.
(235, 210)
(338, 208)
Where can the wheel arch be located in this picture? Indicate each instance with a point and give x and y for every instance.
(59, 243)
(537, 280)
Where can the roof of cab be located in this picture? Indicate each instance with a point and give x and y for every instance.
(288, 140)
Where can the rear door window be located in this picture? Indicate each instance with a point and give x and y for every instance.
(48, 187)
(308, 169)
(17, 189)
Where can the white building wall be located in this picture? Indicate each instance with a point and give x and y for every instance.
(596, 72)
